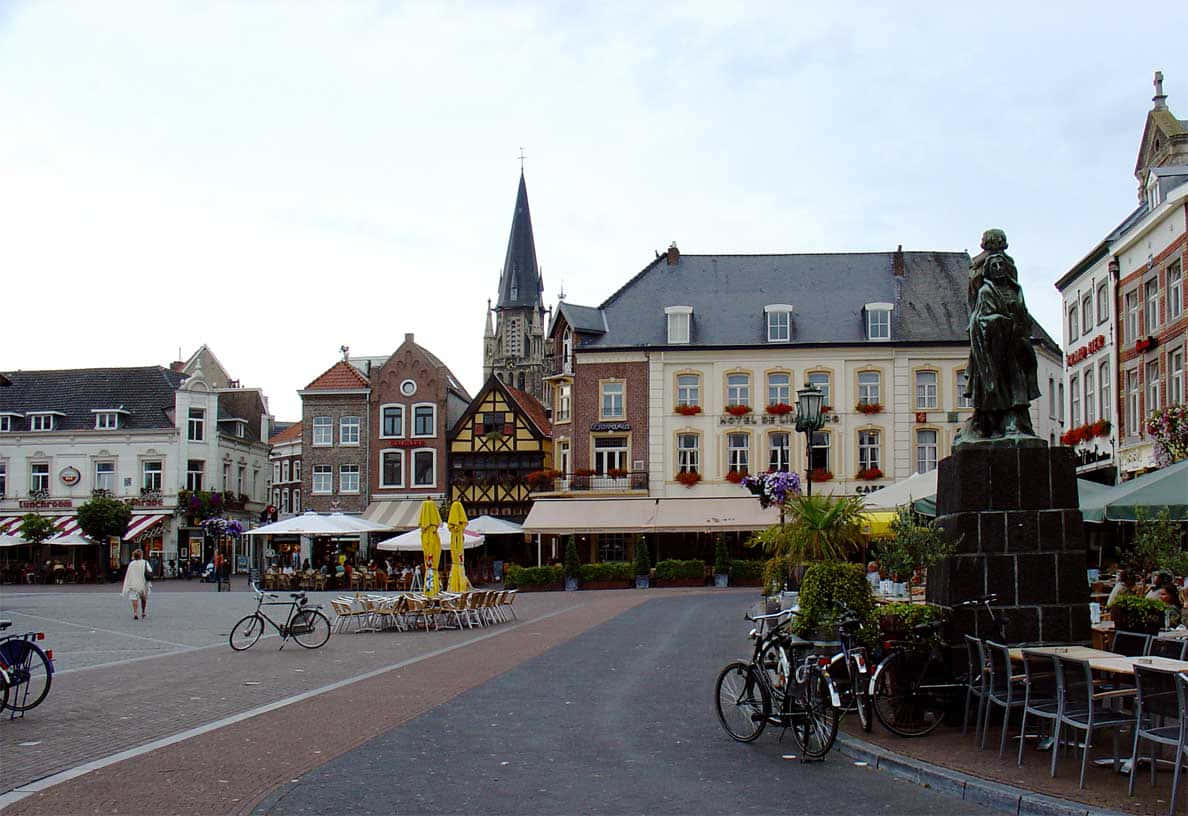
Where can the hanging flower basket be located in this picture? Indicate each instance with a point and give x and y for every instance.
(688, 477)
(688, 410)
(779, 408)
(773, 487)
(822, 475)
(738, 410)
(1145, 344)
(869, 408)
(868, 474)
(736, 476)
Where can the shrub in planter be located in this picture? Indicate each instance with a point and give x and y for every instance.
(721, 562)
(895, 621)
(870, 474)
(673, 570)
(735, 476)
(541, 479)
(572, 564)
(775, 573)
(584, 472)
(643, 564)
(746, 572)
(617, 572)
(1131, 613)
(822, 475)
(825, 583)
(517, 577)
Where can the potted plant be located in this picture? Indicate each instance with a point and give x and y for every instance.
(643, 564)
(824, 585)
(688, 477)
(572, 565)
(617, 473)
(736, 476)
(721, 562)
(688, 410)
(778, 408)
(738, 410)
(869, 407)
(678, 573)
(1131, 613)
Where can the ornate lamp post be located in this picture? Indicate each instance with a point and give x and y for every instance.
(808, 421)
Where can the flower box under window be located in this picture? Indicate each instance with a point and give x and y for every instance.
(688, 477)
(869, 408)
(778, 408)
(738, 410)
(688, 410)
(736, 476)
(821, 475)
(868, 474)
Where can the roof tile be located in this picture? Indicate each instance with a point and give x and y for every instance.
(340, 375)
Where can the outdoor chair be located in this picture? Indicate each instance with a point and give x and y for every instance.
(1158, 717)
(1168, 647)
(345, 614)
(1182, 697)
(975, 683)
(1084, 709)
(1040, 697)
(491, 606)
(320, 582)
(380, 580)
(1003, 689)
(509, 598)
(1130, 644)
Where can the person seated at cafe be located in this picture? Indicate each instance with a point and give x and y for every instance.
(1124, 584)
(347, 569)
(305, 565)
(873, 576)
(1165, 591)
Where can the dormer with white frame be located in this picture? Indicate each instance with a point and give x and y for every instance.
(878, 321)
(43, 420)
(8, 421)
(109, 419)
(779, 322)
(680, 324)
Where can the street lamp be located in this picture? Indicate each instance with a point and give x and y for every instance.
(808, 421)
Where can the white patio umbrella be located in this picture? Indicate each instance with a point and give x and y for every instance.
(490, 525)
(411, 541)
(905, 491)
(314, 524)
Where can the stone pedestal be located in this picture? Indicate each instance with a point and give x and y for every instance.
(1013, 513)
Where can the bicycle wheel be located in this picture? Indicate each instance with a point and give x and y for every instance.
(742, 702)
(814, 726)
(246, 632)
(29, 674)
(902, 706)
(310, 628)
(3, 690)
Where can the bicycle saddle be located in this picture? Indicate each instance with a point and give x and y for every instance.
(4, 624)
(296, 595)
(930, 626)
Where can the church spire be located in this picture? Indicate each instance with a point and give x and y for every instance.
(520, 284)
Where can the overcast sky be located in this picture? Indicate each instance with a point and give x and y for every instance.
(280, 179)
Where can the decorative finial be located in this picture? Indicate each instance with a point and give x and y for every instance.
(346, 351)
(522, 157)
(561, 294)
(1160, 98)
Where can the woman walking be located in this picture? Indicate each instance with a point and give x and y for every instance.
(136, 584)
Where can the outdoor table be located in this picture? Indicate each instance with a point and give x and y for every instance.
(1102, 661)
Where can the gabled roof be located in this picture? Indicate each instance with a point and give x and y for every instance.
(531, 408)
(585, 319)
(341, 375)
(291, 433)
(520, 284)
(527, 405)
(145, 393)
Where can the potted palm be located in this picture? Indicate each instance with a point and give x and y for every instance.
(643, 564)
(721, 562)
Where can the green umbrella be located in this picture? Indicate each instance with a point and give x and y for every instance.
(1164, 489)
(1090, 495)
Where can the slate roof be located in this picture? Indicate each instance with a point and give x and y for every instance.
(520, 284)
(827, 291)
(290, 433)
(341, 375)
(146, 393)
(586, 319)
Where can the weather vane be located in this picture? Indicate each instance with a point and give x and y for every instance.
(522, 157)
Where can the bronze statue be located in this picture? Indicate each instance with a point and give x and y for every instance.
(1001, 376)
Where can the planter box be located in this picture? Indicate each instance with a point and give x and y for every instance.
(541, 587)
(721, 580)
(681, 582)
(608, 584)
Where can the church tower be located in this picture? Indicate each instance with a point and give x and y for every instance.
(514, 339)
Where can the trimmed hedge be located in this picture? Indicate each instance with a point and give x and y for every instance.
(606, 571)
(672, 569)
(516, 576)
(830, 581)
(746, 570)
(895, 620)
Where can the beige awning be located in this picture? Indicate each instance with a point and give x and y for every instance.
(399, 514)
(712, 515)
(563, 516)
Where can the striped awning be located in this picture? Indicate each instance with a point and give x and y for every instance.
(399, 514)
(9, 525)
(142, 526)
(66, 525)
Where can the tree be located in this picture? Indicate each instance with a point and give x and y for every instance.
(1156, 546)
(103, 517)
(643, 564)
(819, 528)
(721, 556)
(572, 563)
(36, 529)
(913, 545)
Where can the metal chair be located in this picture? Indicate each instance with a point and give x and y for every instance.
(1040, 698)
(1158, 716)
(1003, 689)
(975, 683)
(1130, 644)
(1168, 647)
(1083, 709)
(1182, 698)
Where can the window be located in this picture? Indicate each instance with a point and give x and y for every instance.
(925, 451)
(612, 400)
(779, 389)
(226, 476)
(392, 468)
(779, 322)
(424, 468)
(1087, 314)
(779, 451)
(610, 453)
(878, 321)
(738, 452)
(3, 479)
(348, 478)
(1175, 291)
(196, 424)
(239, 477)
(276, 497)
(285, 471)
(41, 422)
(150, 480)
(1090, 396)
(1072, 323)
(869, 387)
(323, 479)
(1153, 386)
(107, 421)
(959, 399)
(284, 505)
(679, 320)
(688, 453)
(1175, 377)
(39, 477)
(1132, 417)
(1103, 302)
(296, 500)
(1051, 398)
(392, 421)
(105, 476)
(296, 471)
(925, 390)
(493, 422)
(612, 547)
(1103, 383)
(819, 458)
(567, 350)
(276, 472)
(1152, 306)
(194, 471)
(564, 401)
(348, 430)
(1060, 403)
(323, 431)
(424, 420)
(868, 450)
(738, 389)
(821, 380)
(5, 423)
(1074, 396)
(563, 457)
(1132, 328)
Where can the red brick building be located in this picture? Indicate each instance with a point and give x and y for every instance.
(335, 429)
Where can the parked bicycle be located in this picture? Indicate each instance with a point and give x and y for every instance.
(849, 669)
(304, 623)
(787, 671)
(914, 685)
(26, 670)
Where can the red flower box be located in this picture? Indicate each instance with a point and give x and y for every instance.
(584, 472)
(688, 410)
(1146, 344)
(779, 408)
(821, 475)
(869, 408)
(738, 410)
(688, 477)
(735, 476)
(869, 474)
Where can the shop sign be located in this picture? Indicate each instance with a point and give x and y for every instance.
(69, 476)
(611, 426)
(146, 501)
(868, 488)
(407, 443)
(1094, 345)
(46, 504)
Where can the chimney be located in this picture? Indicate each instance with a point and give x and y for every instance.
(897, 262)
(408, 337)
(674, 254)
(177, 365)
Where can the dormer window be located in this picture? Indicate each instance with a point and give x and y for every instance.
(8, 421)
(679, 320)
(107, 419)
(878, 321)
(779, 322)
(43, 420)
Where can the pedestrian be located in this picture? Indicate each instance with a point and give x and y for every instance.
(137, 584)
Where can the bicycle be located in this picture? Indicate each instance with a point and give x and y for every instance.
(913, 685)
(26, 670)
(850, 668)
(780, 670)
(305, 624)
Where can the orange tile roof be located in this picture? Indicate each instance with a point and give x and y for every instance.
(340, 375)
(531, 406)
(289, 434)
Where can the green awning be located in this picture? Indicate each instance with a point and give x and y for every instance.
(1092, 495)
(1154, 492)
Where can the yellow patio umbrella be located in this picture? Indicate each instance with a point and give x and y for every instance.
(457, 524)
(431, 545)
